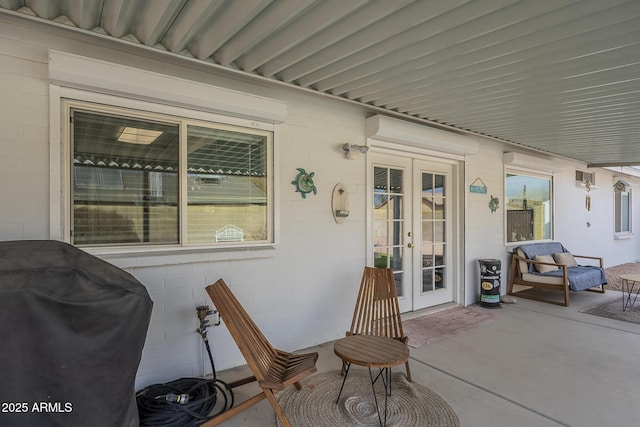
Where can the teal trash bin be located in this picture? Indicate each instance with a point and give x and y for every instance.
(489, 282)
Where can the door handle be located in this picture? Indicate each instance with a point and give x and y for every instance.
(410, 245)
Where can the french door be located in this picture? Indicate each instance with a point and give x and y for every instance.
(412, 227)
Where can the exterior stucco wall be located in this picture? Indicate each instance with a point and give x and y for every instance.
(301, 292)
(484, 234)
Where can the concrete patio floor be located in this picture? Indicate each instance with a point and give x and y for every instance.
(535, 364)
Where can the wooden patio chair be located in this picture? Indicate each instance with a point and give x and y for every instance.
(273, 369)
(377, 311)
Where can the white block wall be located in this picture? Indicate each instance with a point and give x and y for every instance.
(302, 292)
(24, 147)
(484, 236)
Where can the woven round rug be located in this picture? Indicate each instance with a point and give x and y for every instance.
(410, 404)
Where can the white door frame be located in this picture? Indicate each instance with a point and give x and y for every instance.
(422, 299)
(456, 216)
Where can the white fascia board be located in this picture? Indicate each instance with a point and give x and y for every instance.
(403, 132)
(80, 72)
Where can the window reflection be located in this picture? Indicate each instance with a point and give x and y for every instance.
(528, 208)
(622, 209)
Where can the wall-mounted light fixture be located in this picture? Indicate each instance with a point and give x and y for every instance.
(350, 148)
(340, 203)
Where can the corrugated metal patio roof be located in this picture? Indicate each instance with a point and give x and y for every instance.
(561, 76)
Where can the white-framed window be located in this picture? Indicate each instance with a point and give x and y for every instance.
(140, 178)
(528, 205)
(622, 208)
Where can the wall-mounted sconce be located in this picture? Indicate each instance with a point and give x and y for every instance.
(340, 203)
(350, 148)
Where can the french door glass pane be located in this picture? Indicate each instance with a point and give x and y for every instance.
(395, 207)
(396, 232)
(395, 181)
(439, 185)
(427, 231)
(433, 223)
(380, 179)
(438, 253)
(438, 234)
(427, 280)
(227, 186)
(125, 181)
(427, 185)
(438, 278)
(388, 221)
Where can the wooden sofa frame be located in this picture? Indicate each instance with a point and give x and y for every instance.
(515, 278)
(273, 369)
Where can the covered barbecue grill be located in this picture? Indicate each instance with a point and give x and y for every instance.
(72, 329)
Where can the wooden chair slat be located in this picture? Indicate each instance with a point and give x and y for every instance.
(377, 311)
(273, 369)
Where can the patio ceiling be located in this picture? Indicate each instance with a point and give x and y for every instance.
(560, 76)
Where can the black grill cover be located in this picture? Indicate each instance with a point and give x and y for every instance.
(72, 329)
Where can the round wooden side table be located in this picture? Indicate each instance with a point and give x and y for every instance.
(629, 282)
(372, 351)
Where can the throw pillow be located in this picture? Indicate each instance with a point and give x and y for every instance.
(543, 268)
(565, 258)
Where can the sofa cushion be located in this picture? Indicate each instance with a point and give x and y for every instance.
(565, 258)
(530, 250)
(548, 278)
(544, 268)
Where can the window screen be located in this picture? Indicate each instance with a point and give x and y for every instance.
(130, 184)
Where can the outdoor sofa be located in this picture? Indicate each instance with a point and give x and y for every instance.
(549, 266)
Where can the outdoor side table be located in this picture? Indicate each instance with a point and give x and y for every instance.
(629, 282)
(372, 351)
